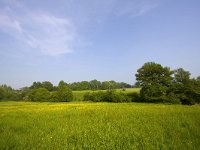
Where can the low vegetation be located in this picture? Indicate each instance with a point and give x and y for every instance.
(28, 125)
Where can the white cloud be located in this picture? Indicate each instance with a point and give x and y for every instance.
(53, 35)
(42, 31)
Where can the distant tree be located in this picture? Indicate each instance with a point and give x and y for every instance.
(39, 95)
(105, 85)
(154, 80)
(64, 93)
(6, 92)
(85, 85)
(95, 85)
(54, 96)
(48, 85)
(113, 85)
(181, 76)
(198, 78)
(61, 83)
(36, 85)
(123, 85)
(184, 88)
(2, 93)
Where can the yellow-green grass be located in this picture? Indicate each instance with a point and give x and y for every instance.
(28, 125)
(78, 95)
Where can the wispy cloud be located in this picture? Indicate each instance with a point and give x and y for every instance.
(134, 8)
(101, 10)
(42, 31)
(55, 35)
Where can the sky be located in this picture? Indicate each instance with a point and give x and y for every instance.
(76, 40)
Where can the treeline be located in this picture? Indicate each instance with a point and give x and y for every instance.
(98, 85)
(84, 85)
(158, 85)
(46, 91)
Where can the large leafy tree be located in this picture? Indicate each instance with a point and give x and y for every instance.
(154, 80)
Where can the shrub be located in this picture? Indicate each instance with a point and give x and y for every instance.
(64, 94)
(54, 97)
(135, 97)
(39, 95)
(108, 96)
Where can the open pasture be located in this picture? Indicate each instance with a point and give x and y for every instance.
(28, 125)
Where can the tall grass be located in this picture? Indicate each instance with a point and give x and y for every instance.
(26, 125)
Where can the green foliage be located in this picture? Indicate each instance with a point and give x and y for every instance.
(94, 96)
(36, 85)
(39, 95)
(181, 76)
(48, 85)
(153, 74)
(7, 93)
(2, 93)
(134, 96)
(154, 80)
(186, 89)
(97, 85)
(64, 94)
(54, 97)
(108, 96)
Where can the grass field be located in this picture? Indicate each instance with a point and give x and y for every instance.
(28, 125)
(78, 95)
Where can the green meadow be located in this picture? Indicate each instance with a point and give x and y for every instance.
(79, 125)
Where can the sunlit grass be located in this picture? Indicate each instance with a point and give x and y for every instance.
(27, 125)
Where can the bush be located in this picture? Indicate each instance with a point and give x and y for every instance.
(135, 97)
(54, 97)
(187, 101)
(94, 96)
(172, 99)
(108, 96)
(39, 95)
(64, 94)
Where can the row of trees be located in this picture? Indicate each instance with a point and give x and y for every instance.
(7, 92)
(98, 85)
(160, 84)
(83, 85)
(62, 93)
(46, 91)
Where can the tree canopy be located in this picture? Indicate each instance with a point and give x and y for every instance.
(160, 84)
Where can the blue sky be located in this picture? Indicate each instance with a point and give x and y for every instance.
(75, 40)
